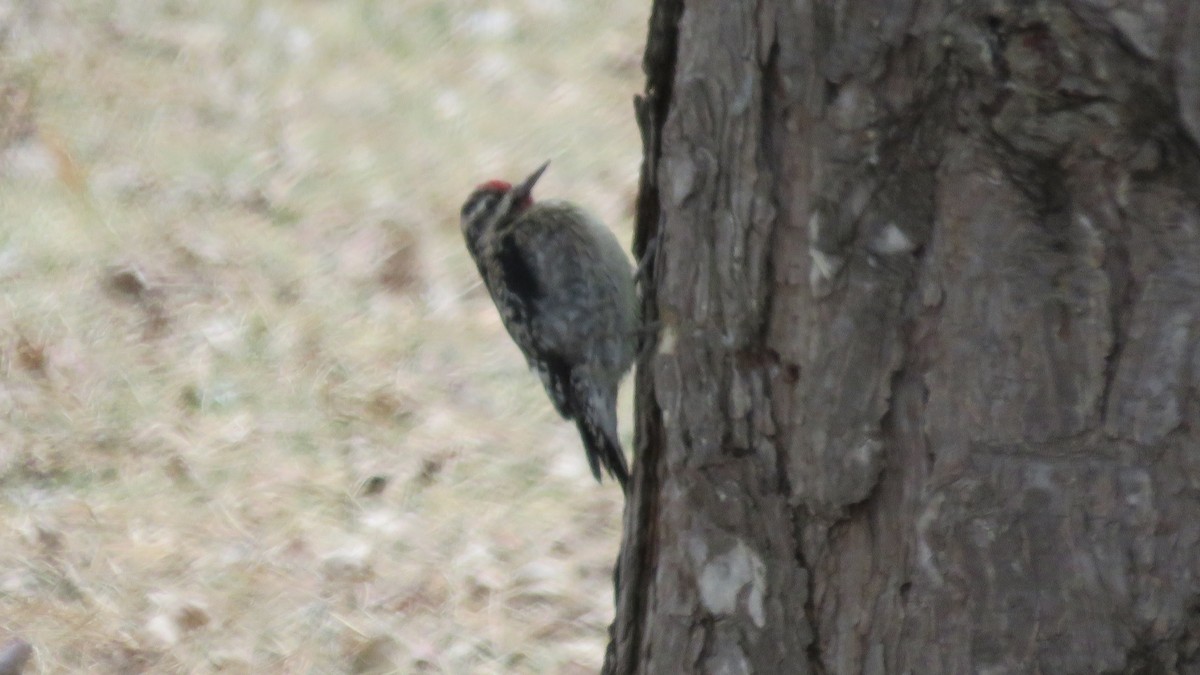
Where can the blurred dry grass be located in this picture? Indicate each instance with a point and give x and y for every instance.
(256, 414)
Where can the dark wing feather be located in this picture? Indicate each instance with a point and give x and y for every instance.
(556, 378)
(515, 288)
(519, 278)
(519, 289)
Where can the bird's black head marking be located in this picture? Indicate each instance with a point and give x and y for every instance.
(480, 211)
(484, 198)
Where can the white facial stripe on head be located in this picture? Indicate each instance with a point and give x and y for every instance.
(476, 208)
(485, 201)
(488, 206)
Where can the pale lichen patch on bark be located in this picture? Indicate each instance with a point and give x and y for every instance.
(729, 580)
(891, 240)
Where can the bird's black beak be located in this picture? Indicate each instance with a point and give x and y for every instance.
(522, 191)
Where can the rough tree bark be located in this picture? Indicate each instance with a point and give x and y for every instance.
(926, 394)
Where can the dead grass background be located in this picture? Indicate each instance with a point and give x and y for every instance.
(256, 413)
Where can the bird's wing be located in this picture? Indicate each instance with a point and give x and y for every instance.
(572, 294)
(518, 285)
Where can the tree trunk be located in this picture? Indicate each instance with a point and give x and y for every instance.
(926, 391)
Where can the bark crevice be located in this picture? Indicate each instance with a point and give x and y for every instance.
(634, 568)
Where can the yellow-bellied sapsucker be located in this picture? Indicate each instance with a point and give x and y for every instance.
(565, 292)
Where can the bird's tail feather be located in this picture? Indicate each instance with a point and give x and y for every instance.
(602, 450)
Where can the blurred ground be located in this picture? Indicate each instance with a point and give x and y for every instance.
(256, 414)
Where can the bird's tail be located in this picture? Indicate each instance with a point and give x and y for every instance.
(604, 450)
(594, 410)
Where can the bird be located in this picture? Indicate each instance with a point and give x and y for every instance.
(564, 290)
